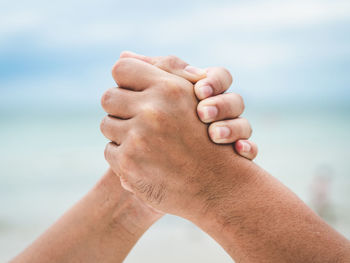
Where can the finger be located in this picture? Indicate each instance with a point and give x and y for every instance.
(246, 149)
(135, 74)
(112, 154)
(229, 131)
(220, 107)
(114, 129)
(129, 54)
(117, 159)
(218, 80)
(170, 64)
(121, 103)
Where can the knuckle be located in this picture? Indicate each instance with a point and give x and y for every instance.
(171, 59)
(106, 126)
(120, 66)
(158, 122)
(103, 124)
(220, 79)
(173, 62)
(116, 66)
(236, 130)
(223, 104)
(246, 127)
(149, 110)
(250, 132)
(106, 98)
(227, 73)
(174, 89)
(216, 83)
(240, 102)
(122, 62)
(176, 92)
(153, 115)
(234, 104)
(108, 152)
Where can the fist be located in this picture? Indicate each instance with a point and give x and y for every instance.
(160, 149)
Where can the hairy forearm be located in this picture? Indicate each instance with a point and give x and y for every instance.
(260, 220)
(102, 227)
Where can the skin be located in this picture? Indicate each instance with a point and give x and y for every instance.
(214, 106)
(155, 98)
(102, 227)
(160, 158)
(107, 222)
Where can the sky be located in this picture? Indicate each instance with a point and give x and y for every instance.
(60, 53)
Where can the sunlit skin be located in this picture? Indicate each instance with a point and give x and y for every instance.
(248, 212)
(106, 223)
(175, 170)
(228, 105)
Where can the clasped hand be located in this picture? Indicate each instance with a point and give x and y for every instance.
(160, 146)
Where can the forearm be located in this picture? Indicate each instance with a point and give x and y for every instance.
(263, 221)
(102, 227)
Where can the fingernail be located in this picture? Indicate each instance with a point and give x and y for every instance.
(205, 92)
(221, 132)
(194, 70)
(245, 147)
(208, 113)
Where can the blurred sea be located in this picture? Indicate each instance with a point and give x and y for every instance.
(48, 160)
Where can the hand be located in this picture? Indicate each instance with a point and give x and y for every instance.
(228, 105)
(161, 150)
(222, 110)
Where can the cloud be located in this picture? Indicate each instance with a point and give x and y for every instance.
(214, 27)
(58, 26)
(274, 15)
(252, 38)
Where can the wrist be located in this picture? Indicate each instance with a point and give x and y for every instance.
(121, 208)
(221, 199)
(261, 218)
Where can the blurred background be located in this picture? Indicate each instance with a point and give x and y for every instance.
(290, 61)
